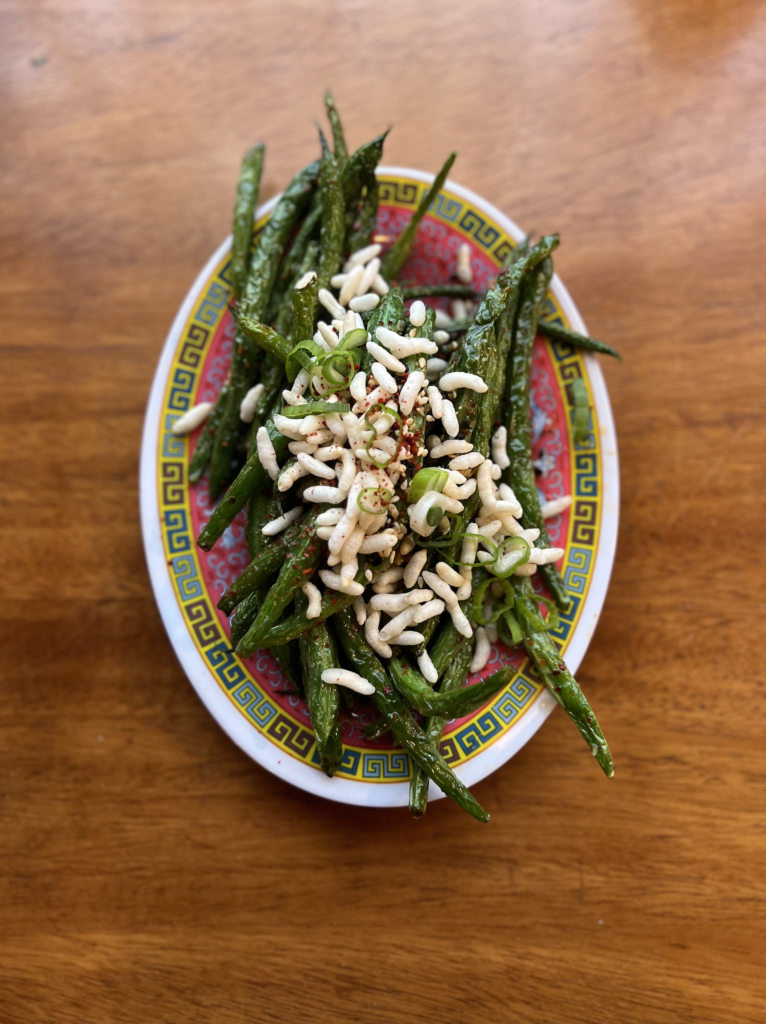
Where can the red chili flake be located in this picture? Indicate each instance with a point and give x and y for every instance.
(307, 572)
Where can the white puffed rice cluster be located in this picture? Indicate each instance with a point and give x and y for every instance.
(329, 449)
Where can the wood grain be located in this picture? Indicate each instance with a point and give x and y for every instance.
(150, 871)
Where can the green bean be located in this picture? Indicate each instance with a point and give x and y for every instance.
(283, 654)
(274, 381)
(288, 659)
(254, 302)
(263, 565)
(545, 656)
(455, 677)
(265, 337)
(284, 321)
(299, 559)
(226, 454)
(244, 615)
(333, 601)
(203, 451)
(449, 644)
(483, 354)
(333, 219)
(457, 704)
(360, 236)
(395, 711)
(389, 313)
(261, 508)
(429, 291)
(396, 256)
(273, 238)
(307, 233)
(289, 267)
(553, 330)
(251, 477)
(304, 309)
(479, 342)
(379, 727)
(478, 414)
(360, 183)
(339, 139)
(319, 653)
(356, 174)
(519, 249)
(244, 209)
(521, 474)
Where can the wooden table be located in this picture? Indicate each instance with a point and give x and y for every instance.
(150, 871)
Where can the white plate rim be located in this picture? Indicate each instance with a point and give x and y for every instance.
(234, 724)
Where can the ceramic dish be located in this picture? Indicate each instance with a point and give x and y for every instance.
(250, 698)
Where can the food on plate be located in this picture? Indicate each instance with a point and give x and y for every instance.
(382, 451)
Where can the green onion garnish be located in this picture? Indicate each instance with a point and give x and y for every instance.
(507, 548)
(353, 339)
(478, 600)
(368, 496)
(431, 479)
(329, 369)
(388, 412)
(318, 408)
(303, 355)
(434, 515)
(531, 617)
(513, 627)
(553, 621)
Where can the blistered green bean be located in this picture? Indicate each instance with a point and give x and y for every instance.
(244, 209)
(397, 255)
(339, 139)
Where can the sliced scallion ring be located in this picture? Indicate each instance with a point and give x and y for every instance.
(499, 568)
(304, 354)
(370, 497)
(353, 339)
(478, 601)
(330, 371)
(388, 412)
(553, 621)
(431, 479)
(529, 615)
(514, 628)
(434, 515)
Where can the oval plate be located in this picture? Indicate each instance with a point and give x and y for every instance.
(251, 699)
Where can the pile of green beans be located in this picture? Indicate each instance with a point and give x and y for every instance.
(326, 213)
